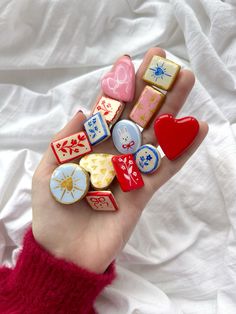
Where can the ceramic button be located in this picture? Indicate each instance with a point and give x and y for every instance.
(69, 183)
(148, 104)
(97, 129)
(119, 83)
(71, 147)
(127, 172)
(100, 168)
(102, 200)
(147, 158)
(175, 135)
(161, 72)
(110, 108)
(126, 137)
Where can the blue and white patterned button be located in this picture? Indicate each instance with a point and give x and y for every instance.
(126, 137)
(69, 183)
(97, 129)
(147, 158)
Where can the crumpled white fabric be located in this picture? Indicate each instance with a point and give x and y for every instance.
(181, 259)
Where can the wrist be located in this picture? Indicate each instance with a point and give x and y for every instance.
(50, 285)
(65, 250)
(84, 261)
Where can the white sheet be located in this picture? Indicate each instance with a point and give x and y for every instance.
(182, 255)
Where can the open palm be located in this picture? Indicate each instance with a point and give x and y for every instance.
(93, 239)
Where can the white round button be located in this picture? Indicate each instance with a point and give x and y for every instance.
(126, 137)
(147, 158)
(69, 183)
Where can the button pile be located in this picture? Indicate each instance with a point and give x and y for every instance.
(92, 177)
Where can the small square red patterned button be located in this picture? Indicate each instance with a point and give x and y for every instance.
(102, 200)
(127, 172)
(110, 108)
(71, 147)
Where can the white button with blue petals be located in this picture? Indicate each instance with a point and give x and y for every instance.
(126, 137)
(96, 128)
(147, 158)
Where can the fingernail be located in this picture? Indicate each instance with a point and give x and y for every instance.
(79, 111)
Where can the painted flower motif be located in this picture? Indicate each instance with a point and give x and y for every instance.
(127, 165)
(73, 142)
(70, 146)
(144, 160)
(93, 128)
(103, 106)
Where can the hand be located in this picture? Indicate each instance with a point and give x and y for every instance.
(93, 239)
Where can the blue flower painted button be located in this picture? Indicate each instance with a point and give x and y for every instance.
(126, 137)
(147, 158)
(97, 129)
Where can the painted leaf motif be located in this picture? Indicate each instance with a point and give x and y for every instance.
(125, 159)
(130, 170)
(64, 143)
(140, 164)
(63, 150)
(80, 145)
(126, 176)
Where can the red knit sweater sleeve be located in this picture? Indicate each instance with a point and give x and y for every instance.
(43, 284)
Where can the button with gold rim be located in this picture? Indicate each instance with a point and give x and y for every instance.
(69, 183)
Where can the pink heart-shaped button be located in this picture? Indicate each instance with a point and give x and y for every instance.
(119, 83)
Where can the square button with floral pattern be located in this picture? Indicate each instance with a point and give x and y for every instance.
(97, 129)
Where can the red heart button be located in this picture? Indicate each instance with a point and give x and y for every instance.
(175, 135)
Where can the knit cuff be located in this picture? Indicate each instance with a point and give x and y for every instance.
(53, 284)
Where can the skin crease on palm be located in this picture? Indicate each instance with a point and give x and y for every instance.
(93, 239)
